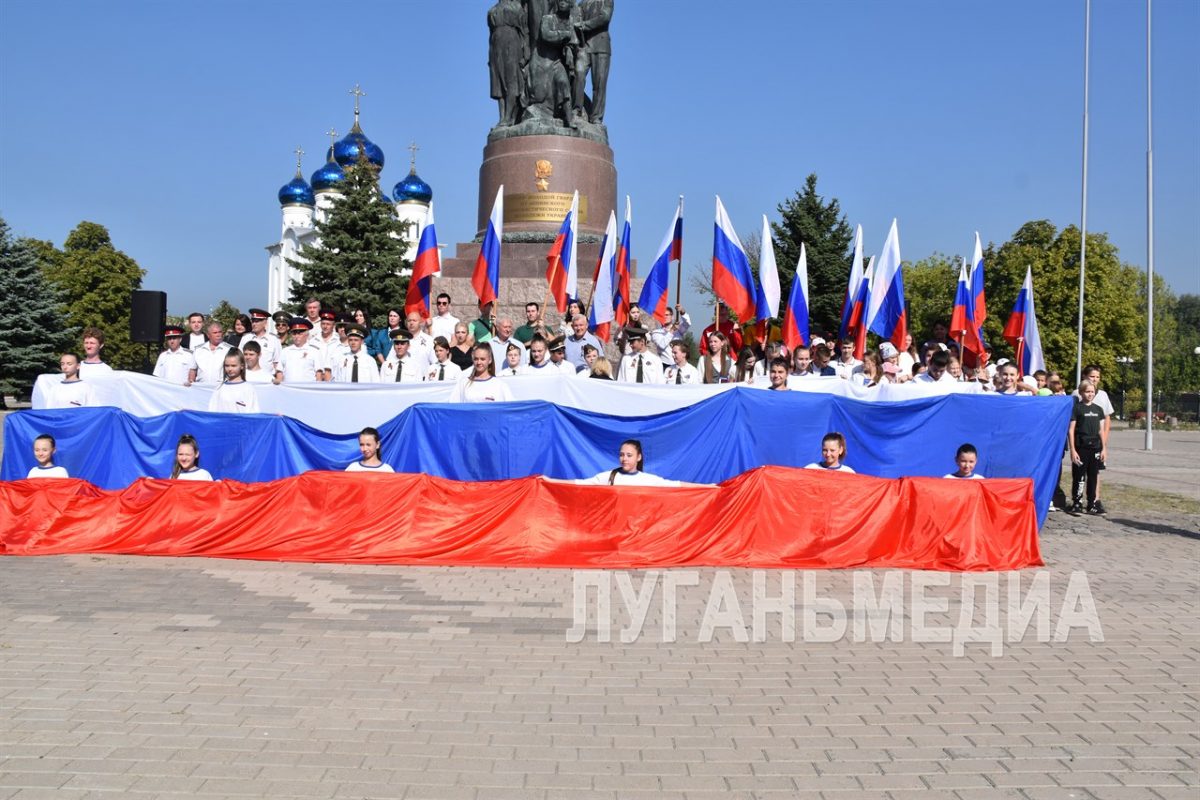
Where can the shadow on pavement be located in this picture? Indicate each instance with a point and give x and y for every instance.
(1151, 527)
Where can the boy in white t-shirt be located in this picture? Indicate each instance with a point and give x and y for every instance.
(966, 458)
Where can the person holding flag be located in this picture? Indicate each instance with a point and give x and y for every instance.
(562, 269)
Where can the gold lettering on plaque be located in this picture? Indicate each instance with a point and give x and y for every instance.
(542, 207)
(542, 170)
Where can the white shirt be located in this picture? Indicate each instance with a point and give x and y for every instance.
(358, 466)
(974, 476)
(330, 348)
(821, 465)
(491, 390)
(195, 474)
(259, 375)
(174, 366)
(442, 372)
(70, 394)
(685, 374)
(301, 364)
(420, 350)
(269, 344)
(845, 369)
(548, 367)
(90, 370)
(925, 378)
(662, 337)
(443, 325)
(52, 471)
(651, 368)
(343, 367)
(410, 370)
(234, 398)
(626, 479)
(210, 362)
(508, 371)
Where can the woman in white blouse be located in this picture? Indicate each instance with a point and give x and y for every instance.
(629, 473)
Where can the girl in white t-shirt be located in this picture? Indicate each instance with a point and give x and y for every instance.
(187, 461)
(833, 453)
(629, 473)
(235, 395)
(372, 453)
(44, 448)
(481, 385)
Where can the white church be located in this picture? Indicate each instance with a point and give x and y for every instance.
(304, 203)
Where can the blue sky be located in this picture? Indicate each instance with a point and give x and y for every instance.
(173, 124)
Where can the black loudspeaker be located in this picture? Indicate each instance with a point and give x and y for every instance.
(148, 317)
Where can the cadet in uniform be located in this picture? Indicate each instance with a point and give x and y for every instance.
(355, 365)
(639, 366)
(268, 343)
(400, 366)
(303, 361)
(175, 364)
(443, 368)
(328, 342)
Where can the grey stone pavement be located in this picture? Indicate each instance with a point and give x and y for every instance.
(153, 677)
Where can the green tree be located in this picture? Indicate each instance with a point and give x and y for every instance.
(97, 282)
(360, 250)
(821, 226)
(929, 286)
(225, 313)
(1111, 321)
(35, 328)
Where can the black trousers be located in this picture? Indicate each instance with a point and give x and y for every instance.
(1089, 470)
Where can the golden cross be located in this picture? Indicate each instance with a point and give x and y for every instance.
(299, 151)
(357, 92)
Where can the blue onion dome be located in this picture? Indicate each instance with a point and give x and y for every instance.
(296, 192)
(328, 178)
(346, 151)
(412, 190)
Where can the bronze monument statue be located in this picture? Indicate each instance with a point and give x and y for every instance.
(540, 55)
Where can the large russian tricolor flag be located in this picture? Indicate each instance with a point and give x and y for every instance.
(562, 268)
(732, 279)
(622, 297)
(600, 315)
(886, 312)
(425, 266)
(654, 290)
(795, 316)
(851, 313)
(486, 278)
(1021, 331)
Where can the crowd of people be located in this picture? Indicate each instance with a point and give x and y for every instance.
(477, 355)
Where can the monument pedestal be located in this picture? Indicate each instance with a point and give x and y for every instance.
(539, 175)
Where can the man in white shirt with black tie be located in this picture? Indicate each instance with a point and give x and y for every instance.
(355, 365)
(400, 366)
(639, 366)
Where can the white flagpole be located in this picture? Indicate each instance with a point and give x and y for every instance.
(1149, 245)
(1087, 39)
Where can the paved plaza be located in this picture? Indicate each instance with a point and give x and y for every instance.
(153, 677)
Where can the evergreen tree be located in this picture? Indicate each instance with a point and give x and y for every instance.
(97, 282)
(820, 225)
(225, 313)
(35, 329)
(360, 252)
